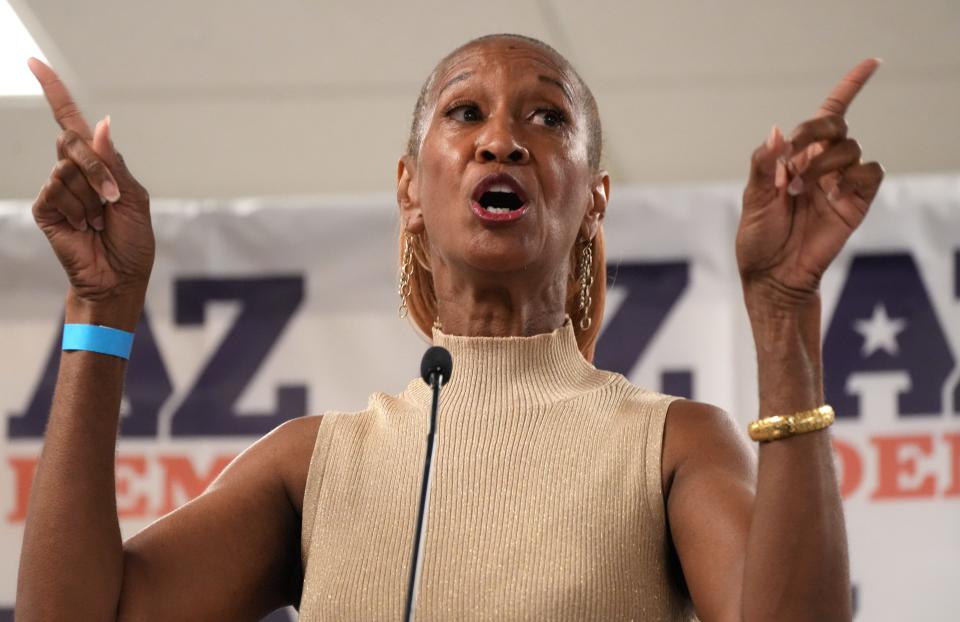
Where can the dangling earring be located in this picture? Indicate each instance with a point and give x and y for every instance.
(586, 282)
(406, 271)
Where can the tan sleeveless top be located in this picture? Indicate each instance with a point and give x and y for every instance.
(546, 500)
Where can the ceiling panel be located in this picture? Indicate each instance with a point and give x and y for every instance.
(638, 43)
(668, 136)
(222, 45)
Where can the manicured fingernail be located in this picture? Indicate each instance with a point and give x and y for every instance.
(772, 138)
(81, 226)
(795, 187)
(97, 223)
(110, 191)
(833, 195)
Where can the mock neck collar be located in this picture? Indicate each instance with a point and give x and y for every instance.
(509, 372)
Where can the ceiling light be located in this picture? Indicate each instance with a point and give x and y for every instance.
(16, 46)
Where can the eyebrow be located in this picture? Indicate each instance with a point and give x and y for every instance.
(545, 79)
(559, 84)
(457, 78)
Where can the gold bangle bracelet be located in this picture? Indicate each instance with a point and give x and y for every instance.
(784, 426)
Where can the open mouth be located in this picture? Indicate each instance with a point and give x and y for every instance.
(499, 198)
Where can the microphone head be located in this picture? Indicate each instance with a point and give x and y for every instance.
(436, 360)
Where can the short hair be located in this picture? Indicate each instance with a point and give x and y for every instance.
(422, 300)
(586, 98)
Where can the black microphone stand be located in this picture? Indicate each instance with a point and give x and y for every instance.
(435, 369)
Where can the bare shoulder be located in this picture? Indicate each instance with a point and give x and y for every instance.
(701, 435)
(233, 550)
(284, 452)
(709, 483)
(290, 449)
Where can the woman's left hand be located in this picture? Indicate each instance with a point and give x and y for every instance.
(806, 194)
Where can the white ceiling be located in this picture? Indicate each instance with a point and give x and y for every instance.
(228, 98)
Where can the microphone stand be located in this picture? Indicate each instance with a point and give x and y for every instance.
(418, 536)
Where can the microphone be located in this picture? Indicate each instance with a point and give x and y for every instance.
(435, 369)
(436, 360)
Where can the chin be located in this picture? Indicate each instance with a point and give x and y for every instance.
(500, 254)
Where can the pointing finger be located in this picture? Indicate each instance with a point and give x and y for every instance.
(843, 93)
(65, 110)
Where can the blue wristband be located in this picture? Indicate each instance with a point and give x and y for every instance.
(99, 339)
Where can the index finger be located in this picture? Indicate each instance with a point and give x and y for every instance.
(843, 93)
(65, 110)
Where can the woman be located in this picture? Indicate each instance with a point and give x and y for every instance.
(561, 491)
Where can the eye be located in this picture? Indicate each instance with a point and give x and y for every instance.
(550, 117)
(467, 113)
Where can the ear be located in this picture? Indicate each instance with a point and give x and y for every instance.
(599, 195)
(408, 198)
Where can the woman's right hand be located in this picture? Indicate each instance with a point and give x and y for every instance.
(95, 214)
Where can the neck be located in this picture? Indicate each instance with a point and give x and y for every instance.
(500, 305)
(491, 373)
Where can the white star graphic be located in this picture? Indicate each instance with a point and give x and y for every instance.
(880, 332)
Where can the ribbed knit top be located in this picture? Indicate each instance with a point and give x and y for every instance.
(546, 500)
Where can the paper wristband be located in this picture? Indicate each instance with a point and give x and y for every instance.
(100, 339)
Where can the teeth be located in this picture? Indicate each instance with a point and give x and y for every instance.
(498, 210)
(500, 188)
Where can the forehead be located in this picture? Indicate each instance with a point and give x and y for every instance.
(504, 55)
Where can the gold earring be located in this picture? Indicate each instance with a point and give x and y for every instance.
(406, 271)
(586, 282)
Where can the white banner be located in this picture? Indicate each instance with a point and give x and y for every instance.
(263, 310)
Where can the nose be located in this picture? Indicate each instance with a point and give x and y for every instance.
(498, 144)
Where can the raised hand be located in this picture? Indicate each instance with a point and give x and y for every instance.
(806, 195)
(95, 214)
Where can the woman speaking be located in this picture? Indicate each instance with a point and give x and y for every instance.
(560, 491)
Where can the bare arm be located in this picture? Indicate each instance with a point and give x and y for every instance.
(779, 553)
(232, 553)
(796, 564)
(767, 543)
(71, 562)
(709, 483)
